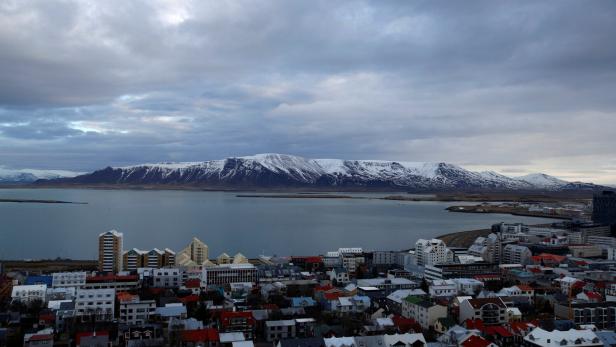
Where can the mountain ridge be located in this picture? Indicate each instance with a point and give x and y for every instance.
(272, 170)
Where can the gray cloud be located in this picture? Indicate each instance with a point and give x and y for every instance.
(524, 86)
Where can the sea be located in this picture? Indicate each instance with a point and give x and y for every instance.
(227, 223)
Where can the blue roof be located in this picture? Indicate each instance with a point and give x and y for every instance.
(365, 299)
(39, 279)
(303, 301)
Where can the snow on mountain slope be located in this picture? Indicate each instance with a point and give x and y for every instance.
(31, 175)
(281, 170)
(542, 180)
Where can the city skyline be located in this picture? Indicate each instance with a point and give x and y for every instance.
(513, 87)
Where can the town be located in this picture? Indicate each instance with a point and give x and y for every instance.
(525, 285)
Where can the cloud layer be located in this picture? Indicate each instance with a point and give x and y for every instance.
(517, 87)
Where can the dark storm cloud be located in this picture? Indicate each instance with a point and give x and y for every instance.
(517, 86)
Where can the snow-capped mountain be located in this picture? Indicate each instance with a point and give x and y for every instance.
(280, 170)
(32, 175)
(542, 180)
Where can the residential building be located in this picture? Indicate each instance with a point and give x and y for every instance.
(134, 311)
(395, 299)
(446, 288)
(276, 330)
(566, 283)
(488, 248)
(28, 294)
(96, 303)
(601, 314)
(422, 311)
(516, 254)
(432, 252)
(585, 251)
(171, 311)
(447, 271)
(111, 281)
(133, 259)
(388, 285)
(468, 286)
(196, 253)
(492, 311)
(339, 274)
(42, 338)
(384, 258)
(110, 251)
(68, 279)
(167, 278)
(348, 305)
(238, 322)
(557, 338)
(229, 273)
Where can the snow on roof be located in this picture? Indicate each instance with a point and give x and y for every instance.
(559, 338)
(112, 232)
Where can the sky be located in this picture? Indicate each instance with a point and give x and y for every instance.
(516, 87)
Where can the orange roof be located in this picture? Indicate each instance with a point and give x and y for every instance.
(124, 296)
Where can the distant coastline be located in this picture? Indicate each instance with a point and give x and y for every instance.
(35, 201)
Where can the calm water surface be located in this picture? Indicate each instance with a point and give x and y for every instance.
(225, 222)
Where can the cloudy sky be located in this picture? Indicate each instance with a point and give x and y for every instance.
(514, 86)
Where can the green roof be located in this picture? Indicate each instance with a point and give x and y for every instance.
(413, 299)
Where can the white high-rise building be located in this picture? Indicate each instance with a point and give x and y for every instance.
(488, 248)
(430, 252)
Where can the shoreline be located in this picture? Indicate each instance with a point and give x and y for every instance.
(466, 238)
(483, 209)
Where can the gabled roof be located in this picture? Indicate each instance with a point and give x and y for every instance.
(475, 341)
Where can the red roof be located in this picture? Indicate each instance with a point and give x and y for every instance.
(593, 295)
(548, 257)
(201, 335)
(323, 288)
(227, 316)
(475, 341)
(474, 324)
(487, 277)
(47, 317)
(193, 283)
(112, 278)
(534, 269)
(498, 330)
(521, 326)
(190, 298)
(79, 335)
(41, 337)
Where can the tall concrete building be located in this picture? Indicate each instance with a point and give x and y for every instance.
(110, 251)
(196, 253)
(604, 208)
